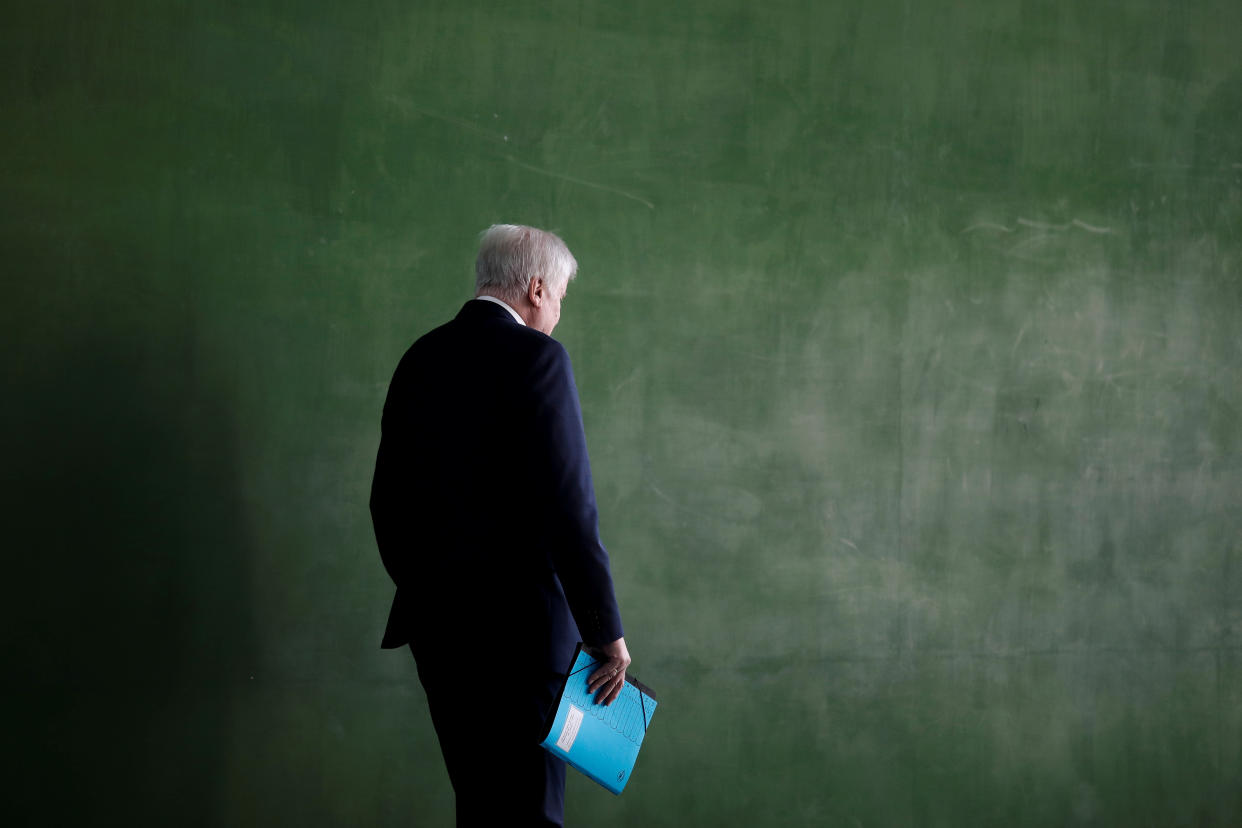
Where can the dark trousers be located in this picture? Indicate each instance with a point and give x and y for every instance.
(489, 723)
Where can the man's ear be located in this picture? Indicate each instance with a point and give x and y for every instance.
(535, 291)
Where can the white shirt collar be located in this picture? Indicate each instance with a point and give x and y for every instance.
(504, 305)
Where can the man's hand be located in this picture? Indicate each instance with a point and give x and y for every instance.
(610, 677)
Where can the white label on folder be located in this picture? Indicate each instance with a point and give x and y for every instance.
(573, 721)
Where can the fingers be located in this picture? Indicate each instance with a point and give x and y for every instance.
(604, 675)
(609, 690)
(606, 683)
(616, 690)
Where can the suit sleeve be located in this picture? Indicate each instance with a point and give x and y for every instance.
(384, 495)
(572, 519)
(395, 484)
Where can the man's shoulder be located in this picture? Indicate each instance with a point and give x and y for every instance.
(485, 321)
(497, 339)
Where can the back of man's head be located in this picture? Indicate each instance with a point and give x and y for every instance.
(510, 255)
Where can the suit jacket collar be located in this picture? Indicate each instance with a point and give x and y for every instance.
(477, 309)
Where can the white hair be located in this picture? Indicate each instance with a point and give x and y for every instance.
(510, 255)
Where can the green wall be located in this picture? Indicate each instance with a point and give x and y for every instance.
(907, 337)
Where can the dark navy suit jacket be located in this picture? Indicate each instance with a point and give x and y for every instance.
(482, 501)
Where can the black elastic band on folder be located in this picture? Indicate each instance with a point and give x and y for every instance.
(585, 667)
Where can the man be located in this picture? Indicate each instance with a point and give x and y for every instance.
(485, 517)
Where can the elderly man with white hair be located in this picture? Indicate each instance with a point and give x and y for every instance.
(486, 521)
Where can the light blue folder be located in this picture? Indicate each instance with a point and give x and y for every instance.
(600, 741)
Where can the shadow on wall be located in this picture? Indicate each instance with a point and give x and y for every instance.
(126, 605)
